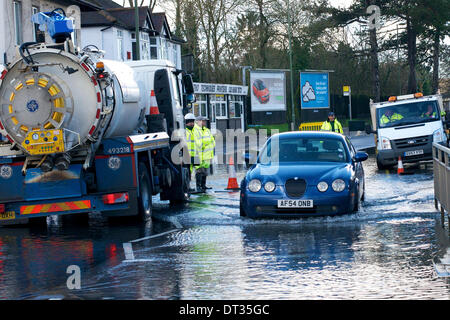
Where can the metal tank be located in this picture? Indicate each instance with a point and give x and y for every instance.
(53, 101)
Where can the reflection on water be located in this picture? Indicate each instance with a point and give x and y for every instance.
(385, 251)
(35, 259)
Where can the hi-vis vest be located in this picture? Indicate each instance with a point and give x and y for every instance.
(208, 144)
(432, 115)
(326, 126)
(194, 141)
(384, 119)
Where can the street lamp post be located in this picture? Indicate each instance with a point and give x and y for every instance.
(398, 58)
(244, 83)
(290, 63)
(136, 18)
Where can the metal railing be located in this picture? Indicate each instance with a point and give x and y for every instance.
(441, 168)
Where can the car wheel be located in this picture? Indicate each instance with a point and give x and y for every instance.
(241, 210)
(357, 203)
(363, 197)
(145, 193)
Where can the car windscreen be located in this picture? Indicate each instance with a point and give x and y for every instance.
(408, 113)
(302, 150)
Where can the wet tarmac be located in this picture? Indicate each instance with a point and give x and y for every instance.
(205, 250)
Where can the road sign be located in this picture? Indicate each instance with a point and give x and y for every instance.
(346, 90)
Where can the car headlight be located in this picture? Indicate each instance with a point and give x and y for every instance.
(385, 143)
(254, 185)
(338, 185)
(322, 186)
(438, 136)
(269, 186)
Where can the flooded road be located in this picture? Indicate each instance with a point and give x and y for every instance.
(205, 250)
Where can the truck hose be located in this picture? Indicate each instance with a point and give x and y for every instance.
(24, 46)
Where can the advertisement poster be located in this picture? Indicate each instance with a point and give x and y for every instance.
(268, 91)
(314, 89)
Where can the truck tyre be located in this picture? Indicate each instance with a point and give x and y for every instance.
(145, 194)
(179, 191)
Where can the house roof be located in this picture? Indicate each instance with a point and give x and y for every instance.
(162, 26)
(100, 4)
(123, 17)
(90, 5)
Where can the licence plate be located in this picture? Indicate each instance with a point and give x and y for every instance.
(295, 204)
(8, 215)
(413, 153)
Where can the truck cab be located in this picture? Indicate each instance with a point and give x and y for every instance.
(173, 89)
(406, 126)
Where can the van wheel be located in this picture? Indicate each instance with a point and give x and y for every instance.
(145, 194)
(382, 166)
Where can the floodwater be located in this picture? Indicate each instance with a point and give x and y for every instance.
(205, 250)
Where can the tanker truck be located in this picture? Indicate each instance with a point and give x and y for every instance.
(78, 133)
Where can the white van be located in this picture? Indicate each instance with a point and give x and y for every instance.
(406, 126)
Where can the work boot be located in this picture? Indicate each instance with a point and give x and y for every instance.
(198, 181)
(204, 183)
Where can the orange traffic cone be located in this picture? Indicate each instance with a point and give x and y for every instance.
(232, 181)
(153, 104)
(400, 169)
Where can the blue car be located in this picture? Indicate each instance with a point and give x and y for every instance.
(300, 174)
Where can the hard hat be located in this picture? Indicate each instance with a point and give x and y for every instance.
(200, 118)
(189, 116)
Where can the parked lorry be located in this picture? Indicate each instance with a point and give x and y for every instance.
(406, 126)
(79, 136)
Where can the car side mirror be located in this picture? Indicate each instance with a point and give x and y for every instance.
(361, 156)
(188, 84)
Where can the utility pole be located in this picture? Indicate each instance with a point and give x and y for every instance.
(290, 63)
(244, 83)
(398, 64)
(136, 18)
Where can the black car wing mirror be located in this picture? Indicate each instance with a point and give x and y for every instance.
(361, 156)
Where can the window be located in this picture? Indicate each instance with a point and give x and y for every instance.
(200, 107)
(153, 48)
(304, 150)
(18, 21)
(164, 49)
(145, 46)
(407, 113)
(236, 106)
(220, 105)
(176, 90)
(174, 53)
(120, 45)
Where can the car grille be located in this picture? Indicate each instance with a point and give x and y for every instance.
(295, 188)
(412, 142)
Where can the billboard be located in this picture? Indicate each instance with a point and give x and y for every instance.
(268, 90)
(314, 89)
